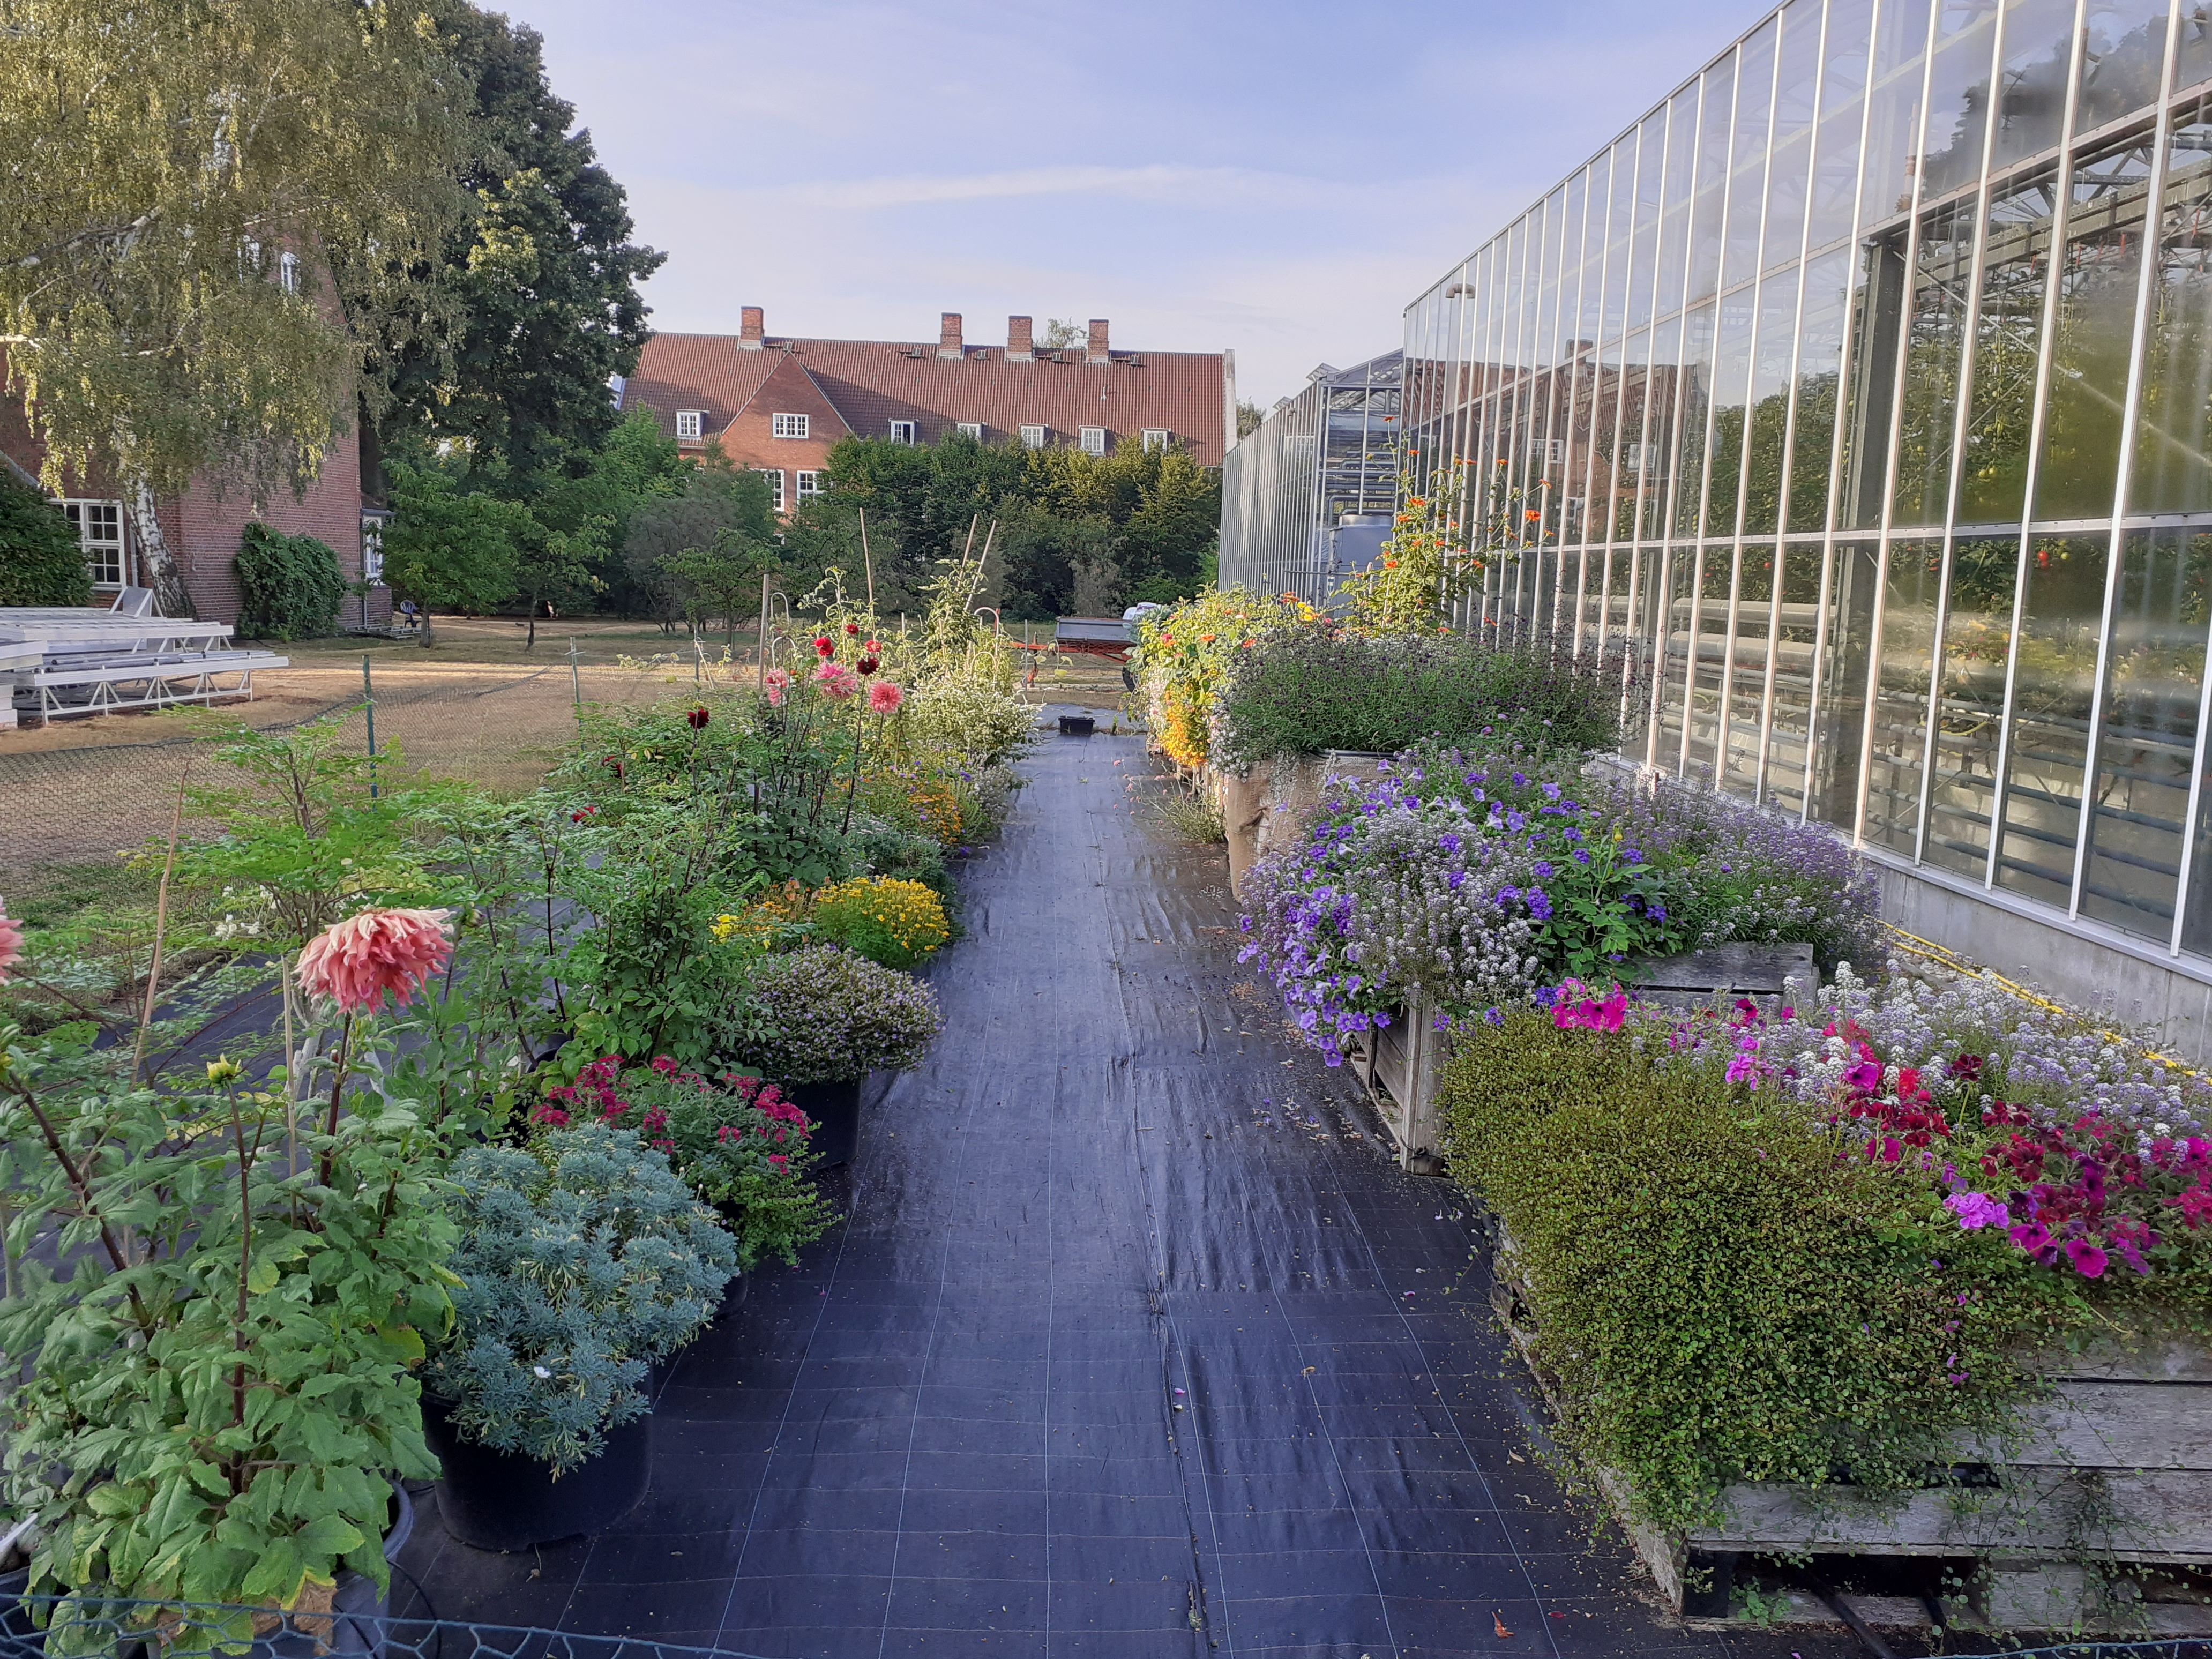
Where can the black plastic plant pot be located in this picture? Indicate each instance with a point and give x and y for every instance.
(497, 1500)
(1077, 726)
(833, 1109)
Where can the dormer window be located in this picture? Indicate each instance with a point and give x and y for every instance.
(789, 425)
(1094, 440)
(688, 422)
(1155, 438)
(902, 432)
(1032, 437)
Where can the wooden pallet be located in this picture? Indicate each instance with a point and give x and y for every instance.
(2114, 1467)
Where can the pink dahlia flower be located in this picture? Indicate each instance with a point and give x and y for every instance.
(11, 945)
(778, 682)
(354, 962)
(884, 698)
(837, 679)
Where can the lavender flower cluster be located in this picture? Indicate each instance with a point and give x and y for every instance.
(1475, 879)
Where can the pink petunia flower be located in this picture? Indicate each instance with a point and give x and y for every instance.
(354, 962)
(884, 698)
(837, 679)
(11, 945)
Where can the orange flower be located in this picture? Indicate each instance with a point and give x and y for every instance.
(1205, 639)
(1389, 564)
(1534, 515)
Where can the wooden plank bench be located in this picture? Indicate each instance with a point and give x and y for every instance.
(1720, 974)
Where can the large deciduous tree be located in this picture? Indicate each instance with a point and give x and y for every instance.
(158, 161)
(543, 272)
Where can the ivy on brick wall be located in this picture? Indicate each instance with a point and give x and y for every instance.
(40, 562)
(290, 586)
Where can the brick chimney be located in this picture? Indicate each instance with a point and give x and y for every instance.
(948, 335)
(751, 329)
(1021, 341)
(1098, 353)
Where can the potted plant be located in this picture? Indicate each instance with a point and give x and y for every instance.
(739, 1146)
(826, 1019)
(582, 1260)
(216, 1394)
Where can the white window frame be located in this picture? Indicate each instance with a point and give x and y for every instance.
(1555, 451)
(775, 477)
(689, 422)
(1033, 437)
(288, 272)
(1093, 439)
(1157, 437)
(81, 511)
(788, 426)
(972, 430)
(809, 483)
(903, 432)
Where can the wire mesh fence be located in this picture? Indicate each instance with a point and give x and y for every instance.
(49, 1627)
(77, 795)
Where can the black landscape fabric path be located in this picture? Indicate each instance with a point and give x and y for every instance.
(1134, 1343)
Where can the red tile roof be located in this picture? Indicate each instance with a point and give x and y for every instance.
(871, 383)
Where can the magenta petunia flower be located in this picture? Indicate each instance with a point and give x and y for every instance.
(1977, 1210)
(354, 962)
(2088, 1261)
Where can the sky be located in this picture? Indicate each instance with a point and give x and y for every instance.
(1281, 178)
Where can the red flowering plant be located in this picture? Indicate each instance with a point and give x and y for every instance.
(734, 1140)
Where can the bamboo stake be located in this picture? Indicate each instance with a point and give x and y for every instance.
(162, 922)
(760, 674)
(868, 564)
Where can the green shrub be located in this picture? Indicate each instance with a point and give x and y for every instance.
(40, 560)
(1719, 1293)
(289, 586)
(1305, 693)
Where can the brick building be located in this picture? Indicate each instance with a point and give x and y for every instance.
(777, 404)
(203, 527)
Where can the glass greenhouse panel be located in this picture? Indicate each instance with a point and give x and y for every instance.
(1901, 686)
(2092, 331)
(2146, 745)
(1746, 664)
(1854, 589)
(1796, 635)
(2053, 686)
(2124, 59)
(1935, 334)
(1970, 711)
(1768, 412)
(2039, 39)
(2008, 337)
(2173, 471)
(1818, 367)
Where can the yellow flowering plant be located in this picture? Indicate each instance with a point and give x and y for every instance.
(895, 922)
(1185, 652)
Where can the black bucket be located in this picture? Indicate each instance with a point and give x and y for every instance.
(1077, 726)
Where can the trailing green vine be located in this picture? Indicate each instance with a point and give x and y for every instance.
(1717, 1295)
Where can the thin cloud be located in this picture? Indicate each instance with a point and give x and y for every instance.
(1163, 182)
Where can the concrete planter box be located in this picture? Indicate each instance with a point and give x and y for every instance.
(2116, 1468)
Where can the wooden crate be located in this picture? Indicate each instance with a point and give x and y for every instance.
(1401, 1064)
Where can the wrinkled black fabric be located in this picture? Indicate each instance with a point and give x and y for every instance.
(1134, 1343)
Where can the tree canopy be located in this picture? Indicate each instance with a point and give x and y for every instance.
(1077, 531)
(163, 159)
(541, 270)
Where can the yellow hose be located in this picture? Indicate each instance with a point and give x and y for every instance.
(1913, 945)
